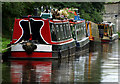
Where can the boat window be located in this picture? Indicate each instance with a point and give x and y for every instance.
(65, 30)
(82, 30)
(68, 30)
(70, 34)
(45, 16)
(58, 32)
(72, 26)
(113, 28)
(101, 26)
(61, 31)
(110, 31)
(101, 30)
(53, 32)
(84, 26)
(105, 30)
(78, 31)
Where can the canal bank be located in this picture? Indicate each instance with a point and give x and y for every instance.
(98, 65)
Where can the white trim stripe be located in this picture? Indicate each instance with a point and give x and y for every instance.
(22, 30)
(40, 47)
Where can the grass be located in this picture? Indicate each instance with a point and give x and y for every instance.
(3, 43)
(0, 44)
(118, 34)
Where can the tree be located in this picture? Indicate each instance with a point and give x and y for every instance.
(10, 10)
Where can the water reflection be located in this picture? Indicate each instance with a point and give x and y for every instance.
(31, 71)
(109, 68)
(100, 64)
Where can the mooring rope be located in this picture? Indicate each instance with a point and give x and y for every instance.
(12, 45)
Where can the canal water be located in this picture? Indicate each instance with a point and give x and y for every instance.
(99, 64)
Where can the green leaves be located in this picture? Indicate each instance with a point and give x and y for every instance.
(91, 11)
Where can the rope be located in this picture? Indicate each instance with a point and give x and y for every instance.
(12, 45)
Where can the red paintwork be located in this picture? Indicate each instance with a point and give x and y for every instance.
(77, 22)
(58, 21)
(30, 37)
(45, 31)
(91, 38)
(62, 41)
(33, 55)
(105, 40)
(17, 31)
(40, 71)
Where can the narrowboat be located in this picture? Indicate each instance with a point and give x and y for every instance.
(37, 37)
(79, 33)
(92, 31)
(107, 31)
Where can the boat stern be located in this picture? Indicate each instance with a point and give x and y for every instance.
(22, 51)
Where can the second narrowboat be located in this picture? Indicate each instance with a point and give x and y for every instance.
(79, 33)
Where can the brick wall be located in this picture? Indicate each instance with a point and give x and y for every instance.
(111, 8)
(110, 11)
(119, 23)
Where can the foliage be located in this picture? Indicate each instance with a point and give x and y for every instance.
(91, 11)
(5, 42)
(118, 34)
(68, 12)
(0, 44)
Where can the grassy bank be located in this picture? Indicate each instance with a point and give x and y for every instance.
(5, 42)
(119, 34)
(0, 44)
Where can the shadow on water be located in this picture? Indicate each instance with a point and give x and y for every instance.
(98, 65)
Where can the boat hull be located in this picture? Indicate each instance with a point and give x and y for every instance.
(114, 37)
(43, 55)
(44, 51)
(82, 43)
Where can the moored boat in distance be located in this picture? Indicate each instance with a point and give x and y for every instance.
(34, 37)
(107, 31)
(93, 31)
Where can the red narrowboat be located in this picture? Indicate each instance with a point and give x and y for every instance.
(34, 37)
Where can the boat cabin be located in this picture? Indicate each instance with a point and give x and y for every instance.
(79, 32)
(107, 31)
(93, 32)
(46, 15)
